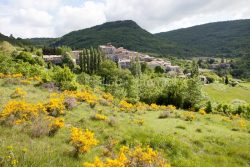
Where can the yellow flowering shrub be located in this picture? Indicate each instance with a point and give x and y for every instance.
(125, 106)
(141, 106)
(242, 123)
(35, 78)
(55, 106)
(226, 119)
(18, 112)
(154, 107)
(83, 96)
(139, 121)
(55, 125)
(25, 82)
(126, 157)
(99, 117)
(19, 75)
(18, 93)
(82, 141)
(108, 97)
(189, 116)
(170, 107)
(202, 111)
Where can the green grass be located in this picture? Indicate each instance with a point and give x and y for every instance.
(245, 85)
(207, 141)
(225, 93)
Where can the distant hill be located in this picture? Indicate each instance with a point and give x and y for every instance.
(120, 33)
(14, 41)
(42, 41)
(229, 38)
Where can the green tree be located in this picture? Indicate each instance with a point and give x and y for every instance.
(194, 69)
(193, 93)
(108, 71)
(159, 70)
(61, 75)
(67, 60)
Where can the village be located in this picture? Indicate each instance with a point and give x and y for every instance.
(122, 57)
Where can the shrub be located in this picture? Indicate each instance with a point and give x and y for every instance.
(154, 107)
(99, 117)
(25, 82)
(242, 123)
(18, 112)
(125, 106)
(139, 121)
(171, 107)
(39, 127)
(108, 97)
(209, 107)
(202, 111)
(56, 124)
(165, 114)
(55, 106)
(138, 156)
(70, 102)
(18, 93)
(189, 116)
(69, 86)
(112, 121)
(82, 141)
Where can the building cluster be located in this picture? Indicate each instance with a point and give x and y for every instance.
(121, 56)
(125, 57)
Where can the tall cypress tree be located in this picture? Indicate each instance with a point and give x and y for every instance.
(88, 62)
(99, 59)
(84, 61)
(81, 61)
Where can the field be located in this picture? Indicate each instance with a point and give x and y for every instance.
(225, 93)
(208, 140)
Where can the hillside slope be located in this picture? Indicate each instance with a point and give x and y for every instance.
(14, 41)
(120, 33)
(229, 38)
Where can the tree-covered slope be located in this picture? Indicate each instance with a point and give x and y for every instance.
(14, 41)
(229, 38)
(120, 33)
(41, 41)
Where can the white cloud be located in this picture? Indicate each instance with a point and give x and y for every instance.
(71, 18)
(51, 18)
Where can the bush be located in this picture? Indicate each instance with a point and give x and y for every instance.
(61, 75)
(99, 117)
(55, 107)
(165, 114)
(112, 121)
(70, 102)
(69, 86)
(39, 128)
(209, 107)
(137, 156)
(82, 141)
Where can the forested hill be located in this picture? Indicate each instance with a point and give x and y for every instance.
(224, 39)
(13, 41)
(229, 38)
(120, 33)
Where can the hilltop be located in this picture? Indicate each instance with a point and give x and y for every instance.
(228, 38)
(120, 33)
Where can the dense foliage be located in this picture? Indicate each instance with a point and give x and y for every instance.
(231, 38)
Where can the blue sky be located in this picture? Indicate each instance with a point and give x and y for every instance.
(54, 18)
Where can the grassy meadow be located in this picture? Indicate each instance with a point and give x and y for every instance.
(208, 140)
(226, 93)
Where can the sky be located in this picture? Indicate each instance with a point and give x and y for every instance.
(54, 18)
